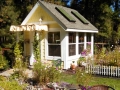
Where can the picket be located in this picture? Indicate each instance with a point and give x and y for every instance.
(112, 71)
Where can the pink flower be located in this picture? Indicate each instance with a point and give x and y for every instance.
(34, 60)
(88, 43)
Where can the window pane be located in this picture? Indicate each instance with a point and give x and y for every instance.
(53, 37)
(72, 37)
(88, 41)
(54, 50)
(81, 48)
(88, 37)
(72, 49)
(81, 37)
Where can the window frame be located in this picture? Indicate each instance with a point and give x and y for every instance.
(71, 52)
(52, 44)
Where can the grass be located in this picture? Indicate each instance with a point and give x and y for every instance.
(113, 82)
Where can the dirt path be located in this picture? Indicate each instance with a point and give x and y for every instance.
(7, 73)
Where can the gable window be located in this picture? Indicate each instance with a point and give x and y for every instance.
(54, 47)
(80, 42)
(72, 43)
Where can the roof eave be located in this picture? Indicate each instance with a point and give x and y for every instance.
(81, 30)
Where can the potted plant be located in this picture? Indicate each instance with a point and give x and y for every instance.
(72, 67)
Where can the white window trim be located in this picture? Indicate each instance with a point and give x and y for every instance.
(46, 45)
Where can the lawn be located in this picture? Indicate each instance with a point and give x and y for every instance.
(113, 82)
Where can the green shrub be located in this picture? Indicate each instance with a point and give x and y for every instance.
(11, 85)
(20, 65)
(3, 62)
(54, 74)
(110, 58)
(82, 78)
(80, 60)
(2, 78)
(45, 74)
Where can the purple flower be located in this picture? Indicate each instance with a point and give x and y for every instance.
(83, 88)
(84, 52)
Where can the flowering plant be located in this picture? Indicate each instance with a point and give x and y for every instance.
(85, 52)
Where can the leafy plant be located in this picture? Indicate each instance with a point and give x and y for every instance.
(3, 62)
(108, 57)
(54, 74)
(82, 78)
(20, 66)
(11, 85)
(80, 60)
(45, 74)
(18, 57)
(2, 78)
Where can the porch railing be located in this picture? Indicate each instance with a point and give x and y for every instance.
(112, 71)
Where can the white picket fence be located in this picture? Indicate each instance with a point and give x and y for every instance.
(112, 71)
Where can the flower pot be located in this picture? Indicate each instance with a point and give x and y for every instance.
(72, 67)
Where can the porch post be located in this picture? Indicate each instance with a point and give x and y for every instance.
(92, 43)
(31, 48)
(17, 35)
(77, 38)
(66, 51)
(85, 41)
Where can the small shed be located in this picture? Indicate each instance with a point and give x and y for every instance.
(65, 33)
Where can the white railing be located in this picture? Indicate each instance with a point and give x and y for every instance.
(112, 71)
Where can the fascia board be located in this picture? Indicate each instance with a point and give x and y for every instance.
(77, 30)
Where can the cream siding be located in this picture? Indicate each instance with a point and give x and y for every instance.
(40, 13)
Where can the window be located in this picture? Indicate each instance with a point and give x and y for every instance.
(80, 42)
(72, 43)
(72, 37)
(54, 47)
(54, 37)
(65, 14)
(89, 41)
(80, 17)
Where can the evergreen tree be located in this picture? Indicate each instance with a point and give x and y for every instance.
(100, 13)
(12, 12)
